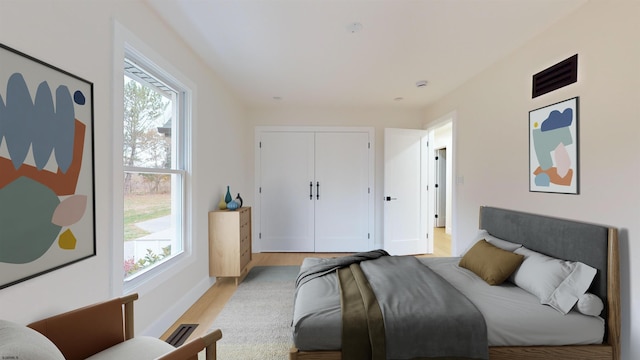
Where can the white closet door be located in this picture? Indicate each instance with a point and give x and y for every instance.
(341, 192)
(286, 205)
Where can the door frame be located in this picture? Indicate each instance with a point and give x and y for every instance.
(258, 130)
(455, 180)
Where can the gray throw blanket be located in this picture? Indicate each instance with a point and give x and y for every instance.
(424, 315)
(332, 264)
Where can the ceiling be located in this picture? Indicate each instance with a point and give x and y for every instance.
(308, 53)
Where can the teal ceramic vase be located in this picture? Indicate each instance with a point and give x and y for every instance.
(228, 197)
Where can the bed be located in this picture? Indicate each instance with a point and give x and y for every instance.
(563, 241)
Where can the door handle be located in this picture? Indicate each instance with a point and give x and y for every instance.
(318, 190)
(310, 190)
(389, 198)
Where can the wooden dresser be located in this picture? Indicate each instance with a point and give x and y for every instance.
(230, 243)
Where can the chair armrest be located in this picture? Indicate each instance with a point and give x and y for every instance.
(191, 349)
(83, 332)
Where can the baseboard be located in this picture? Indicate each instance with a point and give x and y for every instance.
(172, 314)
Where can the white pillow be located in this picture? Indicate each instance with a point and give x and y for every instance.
(590, 304)
(557, 283)
(21, 342)
(497, 242)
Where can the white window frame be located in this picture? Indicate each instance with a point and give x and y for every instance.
(128, 45)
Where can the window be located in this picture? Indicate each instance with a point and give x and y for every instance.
(154, 157)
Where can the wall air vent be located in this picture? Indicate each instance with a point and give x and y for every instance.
(555, 77)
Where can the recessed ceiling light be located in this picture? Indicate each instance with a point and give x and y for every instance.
(421, 83)
(354, 27)
(277, 98)
(399, 98)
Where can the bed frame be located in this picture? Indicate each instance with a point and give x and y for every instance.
(594, 245)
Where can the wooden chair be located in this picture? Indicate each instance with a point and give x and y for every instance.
(105, 331)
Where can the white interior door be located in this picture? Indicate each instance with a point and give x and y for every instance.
(286, 204)
(342, 192)
(405, 190)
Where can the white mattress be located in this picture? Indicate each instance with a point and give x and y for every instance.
(515, 317)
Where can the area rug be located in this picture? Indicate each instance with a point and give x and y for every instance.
(256, 321)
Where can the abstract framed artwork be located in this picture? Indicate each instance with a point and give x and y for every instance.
(47, 211)
(553, 148)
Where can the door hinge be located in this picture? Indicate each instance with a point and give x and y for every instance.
(368, 145)
(368, 190)
(260, 145)
(260, 190)
(259, 235)
(368, 235)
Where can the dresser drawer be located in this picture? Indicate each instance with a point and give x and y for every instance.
(245, 232)
(245, 216)
(245, 242)
(245, 258)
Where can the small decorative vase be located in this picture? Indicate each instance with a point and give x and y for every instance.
(232, 205)
(222, 204)
(228, 198)
(239, 200)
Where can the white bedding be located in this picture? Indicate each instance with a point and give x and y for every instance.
(515, 317)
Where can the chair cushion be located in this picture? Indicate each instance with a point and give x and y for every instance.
(20, 342)
(139, 348)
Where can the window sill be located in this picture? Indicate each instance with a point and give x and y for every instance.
(158, 275)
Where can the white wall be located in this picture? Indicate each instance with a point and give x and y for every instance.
(77, 36)
(376, 118)
(491, 141)
(491, 136)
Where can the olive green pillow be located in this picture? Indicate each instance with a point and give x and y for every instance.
(491, 263)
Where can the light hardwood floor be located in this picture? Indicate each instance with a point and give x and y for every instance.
(205, 310)
(441, 243)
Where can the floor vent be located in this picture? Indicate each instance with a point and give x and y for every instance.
(181, 334)
(555, 77)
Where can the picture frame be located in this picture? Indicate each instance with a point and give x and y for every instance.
(47, 196)
(553, 148)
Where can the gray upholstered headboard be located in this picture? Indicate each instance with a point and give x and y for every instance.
(559, 238)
